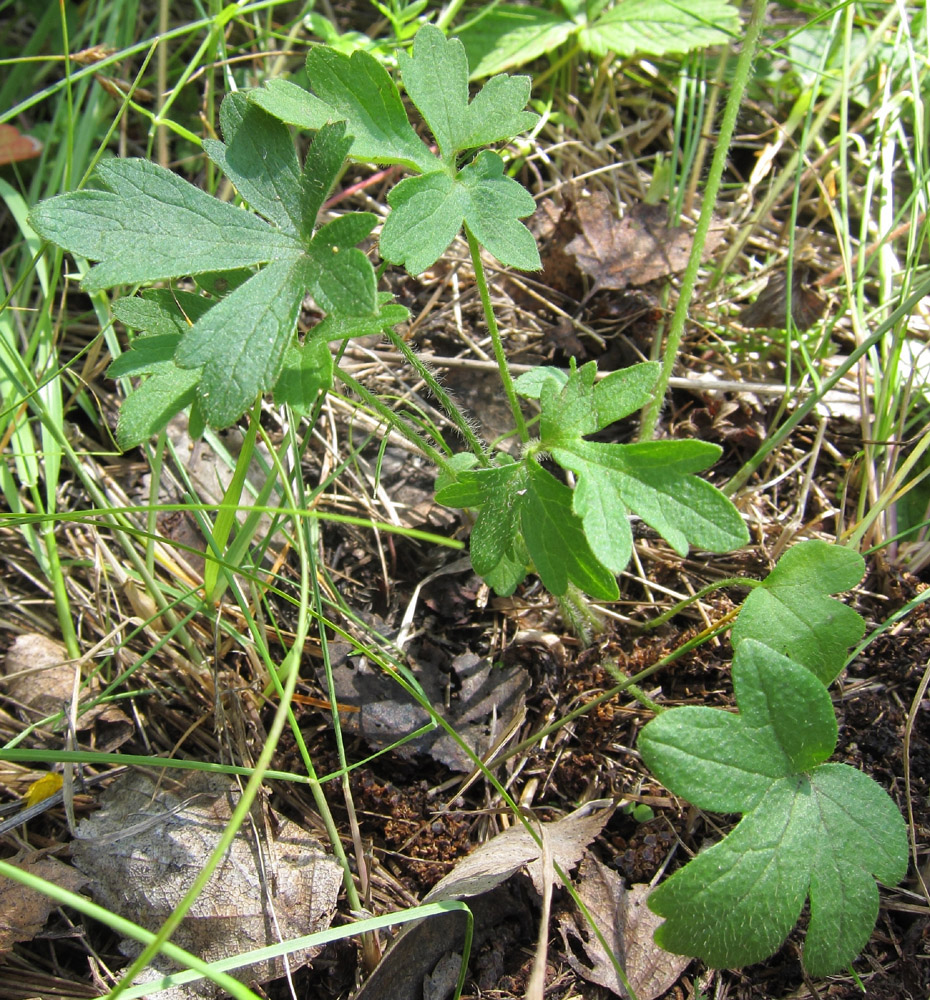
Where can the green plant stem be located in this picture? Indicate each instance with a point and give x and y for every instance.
(453, 412)
(501, 358)
(633, 689)
(60, 590)
(650, 415)
(392, 419)
(226, 515)
(732, 581)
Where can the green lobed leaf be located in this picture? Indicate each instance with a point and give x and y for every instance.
(810, 829)
(659, 27)
(152, 405)
(510, 35)
(495, 203)
(426, 214)
(160, 310)
(322, 166)
(150, 225)
(339, 327)
(258, 156)
(146, 356)
(339, 275)
(428, 211)
(585, 406)
(292, 105)
(726, 762)
(435, 77)
(555, 539)
(653, 479)
(242, 340)
(792, 612)
(164, 315)
(498, 553)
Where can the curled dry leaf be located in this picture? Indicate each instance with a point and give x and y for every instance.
(627, 924)
(144, 848)
(23, 911)
(502, 856)
(636, 249)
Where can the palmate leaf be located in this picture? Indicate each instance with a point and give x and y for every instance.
(428, 210)
(435, 77)
(149, 225)
(260, 161)
(791, 612)
(357, 90)
(654, 479)
(810, 829)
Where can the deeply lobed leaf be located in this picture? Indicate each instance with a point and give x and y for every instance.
(428, 211)
(435, 77)
(148, 224)
(653, 479)
(811, 829)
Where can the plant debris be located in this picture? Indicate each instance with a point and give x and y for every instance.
(146, 846)
(639, 248)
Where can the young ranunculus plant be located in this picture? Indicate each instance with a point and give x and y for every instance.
(810, 829)
(582, 535)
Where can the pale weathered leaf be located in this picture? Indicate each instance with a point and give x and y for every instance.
(497, 859)
(23, 911)
(627, 924)
(148, 843)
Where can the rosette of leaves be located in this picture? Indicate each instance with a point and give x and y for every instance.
(527, 519)
(235, 339)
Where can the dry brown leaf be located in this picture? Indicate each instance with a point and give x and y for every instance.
(638, 248)
(627, 924)
(15, 147)
(147, 844)
(38, 674)
(23, 911)
(500, 857)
